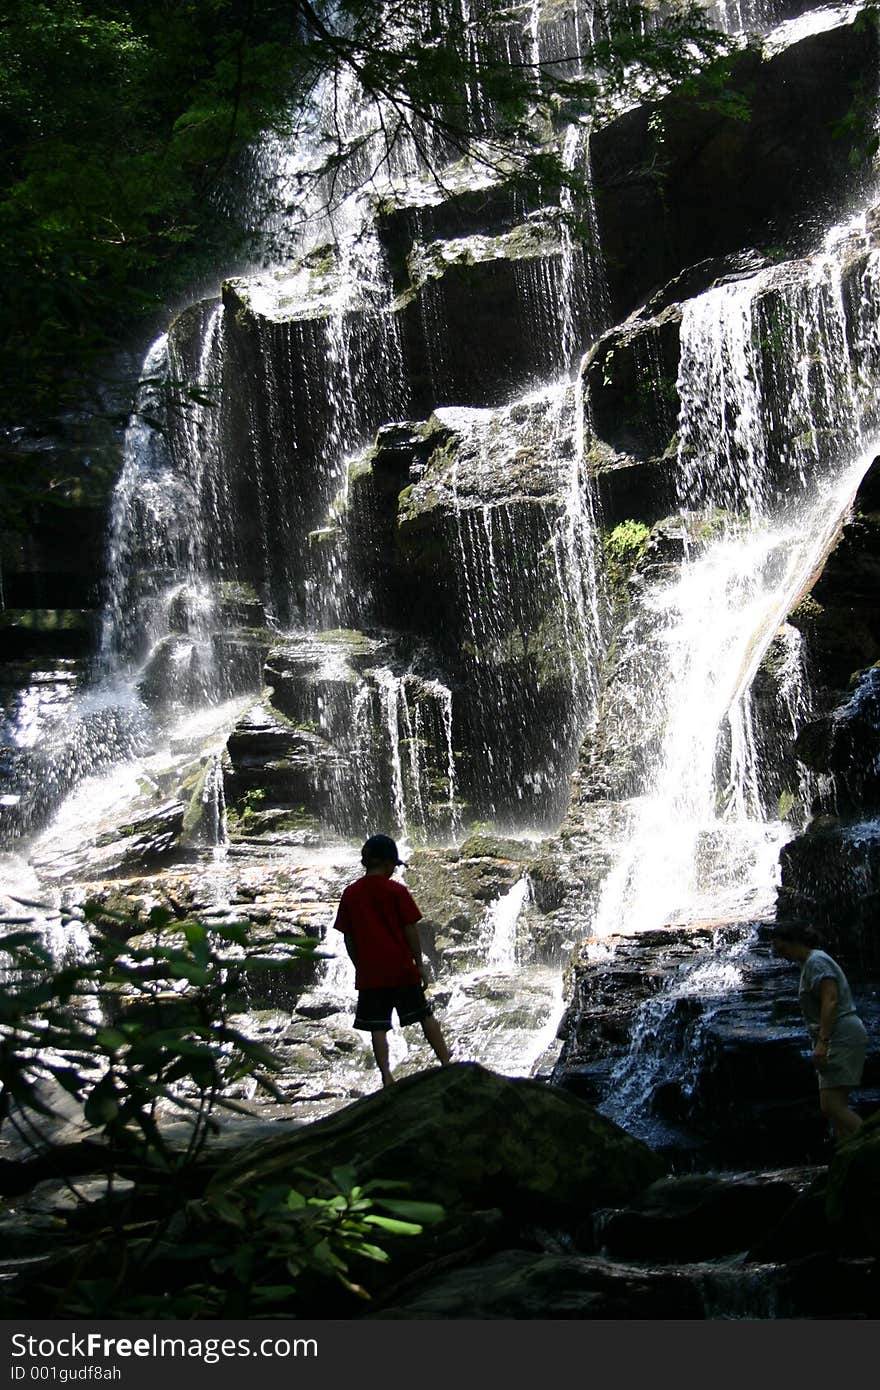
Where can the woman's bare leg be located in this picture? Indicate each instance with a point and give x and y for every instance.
(833, 1104)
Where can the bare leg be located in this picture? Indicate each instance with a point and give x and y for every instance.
(380, 1052)
(833, 1104)
(433, 1033)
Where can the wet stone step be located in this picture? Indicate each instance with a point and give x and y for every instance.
(698, 1216)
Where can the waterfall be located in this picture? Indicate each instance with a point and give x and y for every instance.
(141, 509)
(390, 696)
(583, 268)
(214, 801)
(770, 455)
(501, 920)
(665, 1042)
(425, 680)
(171, 522)
(417, 720)
(230, 514)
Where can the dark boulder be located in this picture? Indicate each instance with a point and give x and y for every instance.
(696, 1217)
(853, 1194)
(465, 1136)
(839, 617)
(526, 1284)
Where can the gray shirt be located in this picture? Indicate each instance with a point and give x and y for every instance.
(817, 967)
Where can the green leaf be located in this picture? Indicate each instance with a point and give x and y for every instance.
(396, 1228)
(344, 1178)
(381, 1185)
(270, 1199)
(427, 1213)
(102, 1107)
(160, 918)
(323, 1257)
(273, 1293)
(372, 1252)
(195, 932)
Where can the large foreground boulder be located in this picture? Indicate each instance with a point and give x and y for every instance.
(466, 1137)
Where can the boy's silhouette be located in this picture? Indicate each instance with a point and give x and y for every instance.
(378, 917)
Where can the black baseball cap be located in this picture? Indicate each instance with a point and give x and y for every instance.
(381, 849)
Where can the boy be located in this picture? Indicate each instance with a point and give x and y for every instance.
(378, 917)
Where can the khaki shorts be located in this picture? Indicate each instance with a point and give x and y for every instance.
(845, 1062)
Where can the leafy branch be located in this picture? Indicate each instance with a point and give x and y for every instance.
(136, 1034)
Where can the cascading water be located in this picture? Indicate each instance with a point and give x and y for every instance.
(240, 507)
(501, 921)
(771, 451)
(768, 407)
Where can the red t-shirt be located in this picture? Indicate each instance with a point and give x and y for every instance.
(374, 911)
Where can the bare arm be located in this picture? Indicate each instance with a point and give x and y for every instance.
(349, 946)
(411, 932)
(828, 1000)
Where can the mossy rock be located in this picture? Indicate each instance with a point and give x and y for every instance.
(194, 815)
(485, 845)
(466, 1137)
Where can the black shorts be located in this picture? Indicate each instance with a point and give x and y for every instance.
(374, 1007)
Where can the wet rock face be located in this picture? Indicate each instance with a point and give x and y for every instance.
(831, 872)
(839, 616)
(632, 383)
(290, 768)
(831, 876)
(186, 671)
(702, 1048)
(289, 352)
(630, 379)
(697, 1217)
(489, 324)
(492, 294)
(49, 740)
(481, 540)
(846, 745)
(456, 528)
(685, 179)
(347, 727)
(147, 841)
(453, 888)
